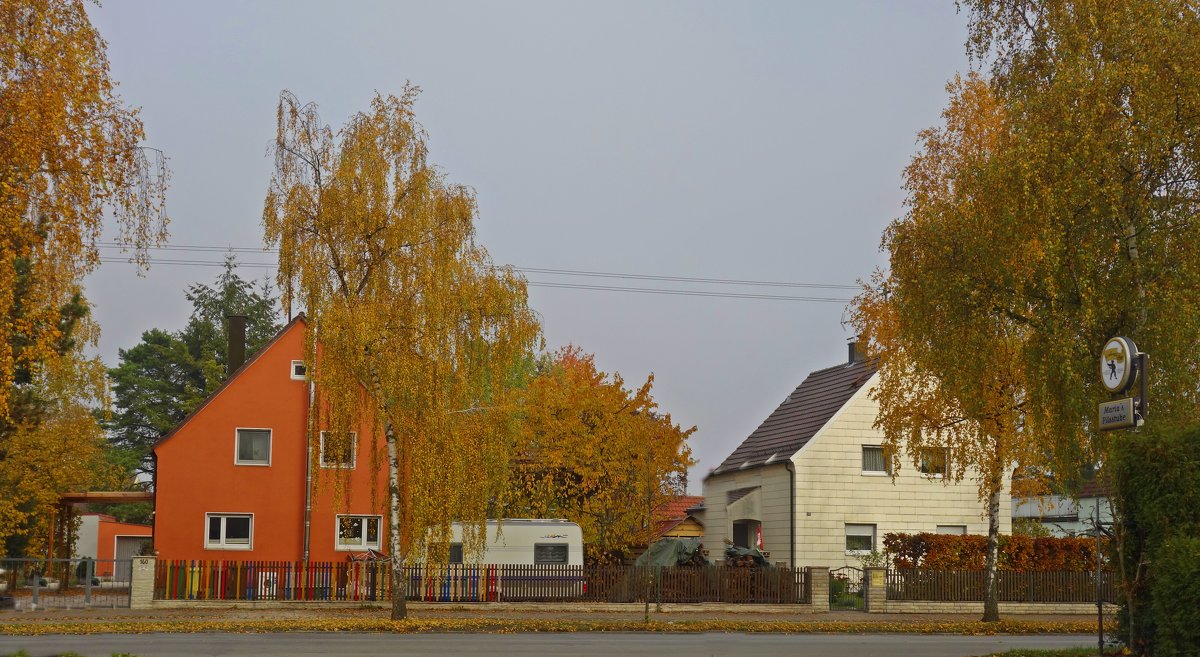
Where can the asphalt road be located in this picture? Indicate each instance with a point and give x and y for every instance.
(299, 644)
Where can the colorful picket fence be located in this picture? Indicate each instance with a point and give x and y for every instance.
(370, 581)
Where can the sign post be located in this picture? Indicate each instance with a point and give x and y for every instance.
(1121, 365)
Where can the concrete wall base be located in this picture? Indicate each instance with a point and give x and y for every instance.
(930, 607)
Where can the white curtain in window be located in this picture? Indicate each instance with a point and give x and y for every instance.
(873, 459)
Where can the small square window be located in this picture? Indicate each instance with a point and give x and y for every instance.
(874, 461)
(299, 371)
(549, 553)
(338, 449)
(860, 539)
(933, 461)
(358, 532)
(229, 531)
(253, 447)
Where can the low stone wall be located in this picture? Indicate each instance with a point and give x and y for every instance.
(928, 607)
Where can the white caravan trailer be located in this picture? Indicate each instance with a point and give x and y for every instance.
(524, 541)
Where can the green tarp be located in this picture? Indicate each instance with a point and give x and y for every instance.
(672, 552)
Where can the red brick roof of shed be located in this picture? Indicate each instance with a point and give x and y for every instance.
(799, 417)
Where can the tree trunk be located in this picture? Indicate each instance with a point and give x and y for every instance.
(399, 585)
(991, 605)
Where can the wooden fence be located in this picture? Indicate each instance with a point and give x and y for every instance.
(354, 582)
(1011, 586)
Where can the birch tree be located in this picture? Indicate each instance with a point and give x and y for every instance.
(410, 323)
(1063, 215)
(70, 152)
(952, 375)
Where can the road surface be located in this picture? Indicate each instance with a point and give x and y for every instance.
(301, 644)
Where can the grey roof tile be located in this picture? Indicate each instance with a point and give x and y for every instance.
(799, 417)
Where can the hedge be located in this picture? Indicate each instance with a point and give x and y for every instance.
(1017, 553)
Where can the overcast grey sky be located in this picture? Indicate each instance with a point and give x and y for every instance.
(748, 140)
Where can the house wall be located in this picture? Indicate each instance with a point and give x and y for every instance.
(197, 473)
(774, 510)
(86, 536)
(106, 542)
(1061, 515)
(689, 528)
(832, 490)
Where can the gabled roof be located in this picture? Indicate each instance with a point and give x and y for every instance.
(799, 417)
(677, 507)
(298, 319)
(674, 511)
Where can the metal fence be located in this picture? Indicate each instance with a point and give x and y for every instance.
(347, 581)
(1011, 586)
(65, 583)
(846, 588)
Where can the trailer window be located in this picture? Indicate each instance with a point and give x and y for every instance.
(550, 553)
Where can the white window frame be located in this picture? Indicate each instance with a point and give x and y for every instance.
(939, 529)
(221, 544)
(337, 533)
(875, 473)
(292, 371)
(945, 462)
(338, 466)
(858, 532)
(270, 446)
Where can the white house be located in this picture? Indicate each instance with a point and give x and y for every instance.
(1066, 515)
(813, 479)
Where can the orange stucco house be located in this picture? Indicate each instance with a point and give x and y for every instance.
(235, 479)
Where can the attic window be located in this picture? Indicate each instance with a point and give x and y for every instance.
(299, 371)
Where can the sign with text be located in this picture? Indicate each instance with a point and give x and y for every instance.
(1117, 414)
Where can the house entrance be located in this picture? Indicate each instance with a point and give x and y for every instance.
(745, 533)
(846, 589)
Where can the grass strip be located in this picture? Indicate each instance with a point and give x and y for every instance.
(500, 626)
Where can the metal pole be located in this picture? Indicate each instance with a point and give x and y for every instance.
(1143, 386)
(1099, 596)
(88, 572)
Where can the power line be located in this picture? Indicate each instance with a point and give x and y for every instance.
(689, 293)
(546, 284)
(534, 270)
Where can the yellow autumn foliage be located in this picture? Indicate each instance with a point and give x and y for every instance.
(69, 152)
(411, 325)
(64, 452)
(595, 453)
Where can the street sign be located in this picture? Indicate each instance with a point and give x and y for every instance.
(1117, 414)
(1118, 368)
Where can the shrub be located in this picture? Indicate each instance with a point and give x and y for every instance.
(1175, 597)
(1018, 553)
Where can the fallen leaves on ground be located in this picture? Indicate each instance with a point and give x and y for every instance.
(509, 626)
